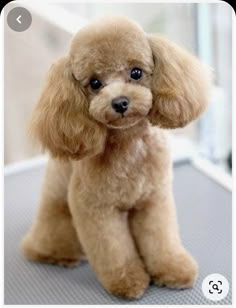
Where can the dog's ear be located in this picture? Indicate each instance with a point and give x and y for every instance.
(180, 84)
(60, 120)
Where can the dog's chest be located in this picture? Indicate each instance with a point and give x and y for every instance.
(126, 179)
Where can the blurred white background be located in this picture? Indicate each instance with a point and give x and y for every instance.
(204, 29)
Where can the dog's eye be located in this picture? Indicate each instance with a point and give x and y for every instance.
(136, 73)
(95, 84)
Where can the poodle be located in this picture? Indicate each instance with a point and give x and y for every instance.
(107, 192)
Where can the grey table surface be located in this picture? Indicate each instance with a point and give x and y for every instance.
(205, 217)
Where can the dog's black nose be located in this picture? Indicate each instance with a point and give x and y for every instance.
(120, 104)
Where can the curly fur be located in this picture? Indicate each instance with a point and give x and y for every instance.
(107, 193)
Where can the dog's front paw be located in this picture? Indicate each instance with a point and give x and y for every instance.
(55, 256)
(176, 271)
(129, 282)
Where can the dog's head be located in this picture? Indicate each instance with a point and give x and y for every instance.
(115, 76)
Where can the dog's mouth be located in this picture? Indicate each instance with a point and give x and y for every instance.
(124, 121)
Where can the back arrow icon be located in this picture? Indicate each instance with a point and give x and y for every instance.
(18, 19)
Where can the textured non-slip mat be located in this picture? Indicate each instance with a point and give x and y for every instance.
(204, 213)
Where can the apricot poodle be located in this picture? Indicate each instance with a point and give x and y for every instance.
(107, 193)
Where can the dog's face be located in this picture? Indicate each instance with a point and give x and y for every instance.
(114, 65)
(114, 76)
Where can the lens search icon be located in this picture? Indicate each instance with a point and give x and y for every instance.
(215, 287)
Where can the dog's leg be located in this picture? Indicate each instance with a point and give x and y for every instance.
(109, 246)
(52, 238)
(155, 230)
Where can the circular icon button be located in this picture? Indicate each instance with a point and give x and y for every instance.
(215, 287)
(19, 19)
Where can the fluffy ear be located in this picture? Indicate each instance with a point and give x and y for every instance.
(60, 120)
(180, 84)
